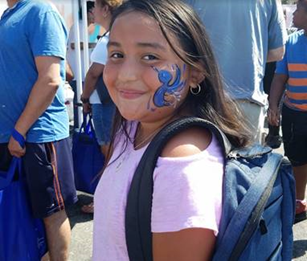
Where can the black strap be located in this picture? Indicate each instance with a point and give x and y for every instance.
(139, 201)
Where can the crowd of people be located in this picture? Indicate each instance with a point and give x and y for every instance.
(156, 61)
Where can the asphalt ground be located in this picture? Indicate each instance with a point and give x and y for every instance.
(82, 232)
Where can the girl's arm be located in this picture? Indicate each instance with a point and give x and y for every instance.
(193, 244)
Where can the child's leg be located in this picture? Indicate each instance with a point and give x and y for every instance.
(300, 175)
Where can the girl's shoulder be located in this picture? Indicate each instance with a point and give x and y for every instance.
(187, 143)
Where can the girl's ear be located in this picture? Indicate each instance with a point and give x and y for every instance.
(196, 77)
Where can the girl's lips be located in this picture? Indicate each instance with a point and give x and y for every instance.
(130, 94)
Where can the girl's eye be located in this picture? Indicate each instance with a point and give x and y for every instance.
(150, 57)
(116, 55)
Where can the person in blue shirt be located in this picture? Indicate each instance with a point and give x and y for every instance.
(34, 120)
(245, 35)
(291, 77)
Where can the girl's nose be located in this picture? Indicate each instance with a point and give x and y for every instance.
(128, 71)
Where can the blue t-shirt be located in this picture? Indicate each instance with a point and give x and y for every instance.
(241, 33)
(31, 28)
(294, 65)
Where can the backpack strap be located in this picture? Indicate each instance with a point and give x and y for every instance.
(139, 201)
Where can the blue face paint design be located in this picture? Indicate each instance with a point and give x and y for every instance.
(170, 88)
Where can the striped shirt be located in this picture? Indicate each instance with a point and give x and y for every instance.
(294, 65)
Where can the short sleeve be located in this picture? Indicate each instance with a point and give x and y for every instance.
(100, 52)
(277, 27)
(188, 191)
(48, 35)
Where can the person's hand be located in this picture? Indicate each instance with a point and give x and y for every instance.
(15, 149)
(273, 116)
(86, 108)
(86, 104)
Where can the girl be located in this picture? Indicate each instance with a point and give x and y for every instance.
(160, 67)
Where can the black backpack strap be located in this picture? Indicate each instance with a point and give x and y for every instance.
(139, 201)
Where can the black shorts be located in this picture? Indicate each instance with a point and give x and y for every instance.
(294, 129)
(49, 175)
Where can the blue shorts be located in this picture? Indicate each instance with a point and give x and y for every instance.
(103, 118)
(49, 175)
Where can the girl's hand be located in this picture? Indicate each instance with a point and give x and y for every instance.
(273, 116)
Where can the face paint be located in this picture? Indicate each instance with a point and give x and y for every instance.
(169, 94)
(149, 107)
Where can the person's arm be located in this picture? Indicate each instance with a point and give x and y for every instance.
(277, 33)
(41, 96)
(69, 73)
(91, 79)
(277, 89)
(193, 244)
(275, 54)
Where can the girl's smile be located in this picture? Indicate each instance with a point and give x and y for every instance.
(130, 94)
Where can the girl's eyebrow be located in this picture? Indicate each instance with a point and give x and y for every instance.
(115, 44)
(152, 45)
(141, 44)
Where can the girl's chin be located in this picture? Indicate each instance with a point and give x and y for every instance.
(129, 116)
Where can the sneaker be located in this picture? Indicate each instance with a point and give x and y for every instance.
(300, 211)
(273, 141)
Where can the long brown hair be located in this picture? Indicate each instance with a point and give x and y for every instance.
(175, 18)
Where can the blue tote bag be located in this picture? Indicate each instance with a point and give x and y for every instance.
(87, 157)
(22, 237)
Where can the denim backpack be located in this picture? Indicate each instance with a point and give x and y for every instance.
(258, 205)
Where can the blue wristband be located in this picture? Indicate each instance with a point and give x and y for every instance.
(19, 138)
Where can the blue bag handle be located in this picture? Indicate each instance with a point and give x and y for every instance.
(87, 127)
(6, 177)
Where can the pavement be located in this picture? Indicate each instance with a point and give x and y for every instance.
(82, 232)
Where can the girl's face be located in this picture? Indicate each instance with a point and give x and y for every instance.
(145, 78)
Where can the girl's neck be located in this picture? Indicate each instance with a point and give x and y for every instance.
(147, 130)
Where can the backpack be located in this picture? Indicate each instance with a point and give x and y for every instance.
(258, 205)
